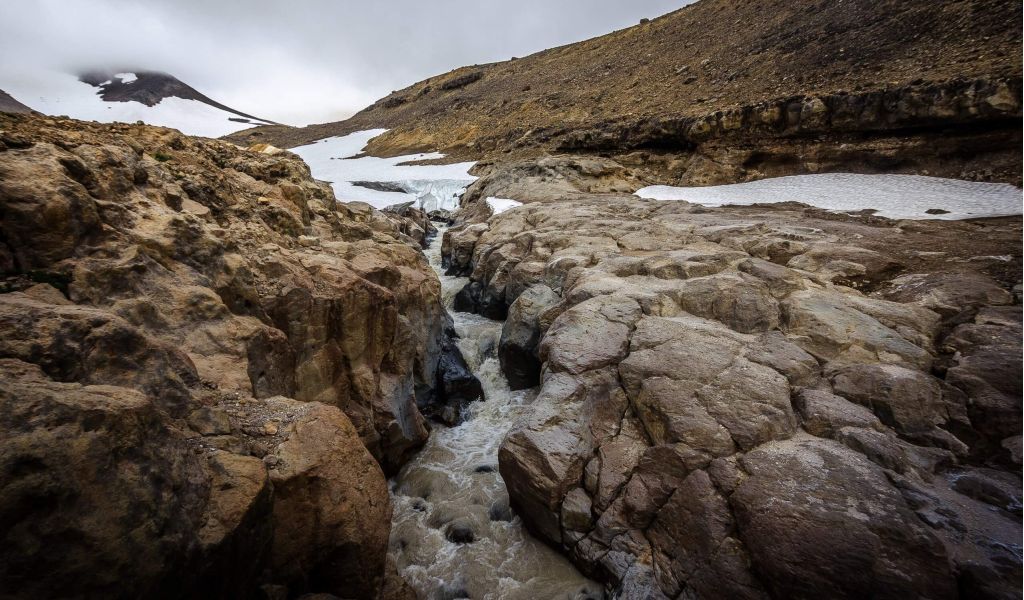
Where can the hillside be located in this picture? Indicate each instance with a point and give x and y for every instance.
(709, 57)
(11, 105)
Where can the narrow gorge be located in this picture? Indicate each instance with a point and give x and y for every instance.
(726, 304)
(454, 533)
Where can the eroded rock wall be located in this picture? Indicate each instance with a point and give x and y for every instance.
(760, 402)
(208, 367)
(963, 129)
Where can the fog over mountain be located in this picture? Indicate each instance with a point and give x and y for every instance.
(303, 62)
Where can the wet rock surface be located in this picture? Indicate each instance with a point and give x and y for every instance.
(455, 534)
(208, 367)
(760, 402)
(456, 385)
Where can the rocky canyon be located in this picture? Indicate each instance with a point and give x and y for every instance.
(726, 304)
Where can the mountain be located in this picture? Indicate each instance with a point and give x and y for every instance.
(109, 95)
(11, 105)
(739, 89)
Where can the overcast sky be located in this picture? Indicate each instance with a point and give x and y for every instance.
(296, 61)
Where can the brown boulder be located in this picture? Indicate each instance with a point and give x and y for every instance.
(821, 521)
(99, 497)
(987, 368)
(905, 399)
(47, 206)
(543, 457)
(823, 414)
(88, 345)
(332, 513)
(520, 337)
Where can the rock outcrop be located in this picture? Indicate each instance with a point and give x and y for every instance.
(208, 368)
(759, 402)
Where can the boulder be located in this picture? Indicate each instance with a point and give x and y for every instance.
(721, 399)
(520, 337)
(477, 298)
(741, 302)
(48, 205)
(823, 414)
(905, 399)
(694, 545)
(828, 327)
(456, 386)
(89, 345)
(332, 512)
(590, 335)
(986, 366)
(238, 526)
(542, 457)
(100, 497)
(793, 514)
(947, 293)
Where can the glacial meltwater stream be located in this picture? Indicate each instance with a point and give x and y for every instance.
(454, 535)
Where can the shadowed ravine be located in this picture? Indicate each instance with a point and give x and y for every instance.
(451, 493)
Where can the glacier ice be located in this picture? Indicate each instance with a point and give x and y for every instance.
(500, 205)
(339, 161)
(893, 196)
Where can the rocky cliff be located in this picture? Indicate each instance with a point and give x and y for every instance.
(721, 91)
(208, 368)
(755, 402)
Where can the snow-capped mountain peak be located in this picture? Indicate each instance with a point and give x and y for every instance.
(130, 95)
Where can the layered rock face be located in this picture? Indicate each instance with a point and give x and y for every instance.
(957, 128)
(760, 402)
(207, 368)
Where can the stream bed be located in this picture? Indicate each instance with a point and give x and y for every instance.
(453, 533)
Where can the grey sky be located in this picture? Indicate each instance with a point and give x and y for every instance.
(298, 60)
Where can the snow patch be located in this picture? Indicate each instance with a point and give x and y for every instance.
(55, 93)
(893, 196)
(430, 187)
(500, 205)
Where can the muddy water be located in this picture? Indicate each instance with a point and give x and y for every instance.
(454, 535)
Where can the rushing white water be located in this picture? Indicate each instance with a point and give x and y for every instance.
(453, 485)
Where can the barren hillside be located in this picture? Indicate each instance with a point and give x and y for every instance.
(712, 56)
